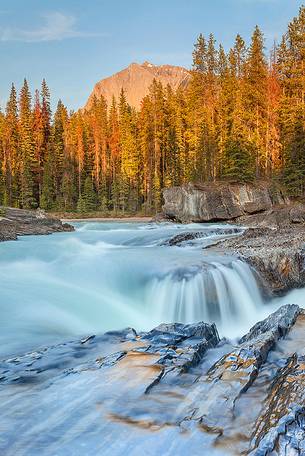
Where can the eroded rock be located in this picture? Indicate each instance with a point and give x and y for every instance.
(219, 201)
(278, 255)
(22, 222)
(174, 390)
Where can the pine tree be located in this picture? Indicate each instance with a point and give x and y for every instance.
(129, 155)
(28, 163)
(11, 158)
(291, 65)
(89, 195)
(239, 161)
(255, 98)
(45, 126)
(57, 140)
(48, 190)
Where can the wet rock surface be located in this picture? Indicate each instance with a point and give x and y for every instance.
(177, 389)
(274, 243)
(181, 239)
(278, 255)
(21, 222)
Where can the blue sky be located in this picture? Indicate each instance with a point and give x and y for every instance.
(75, 43)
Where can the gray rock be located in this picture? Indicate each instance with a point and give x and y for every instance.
(22, 222)
(280, 428)
(217, 202)
(278, 323)
(174, 390)
(278, 254)
(297, 213)
(180, 239)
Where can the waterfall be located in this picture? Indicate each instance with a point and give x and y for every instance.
(109, 276)
(225, 293)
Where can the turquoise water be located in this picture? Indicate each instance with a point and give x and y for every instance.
(111, 275)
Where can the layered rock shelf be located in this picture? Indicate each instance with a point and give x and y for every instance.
(177, 389)
(278, 255)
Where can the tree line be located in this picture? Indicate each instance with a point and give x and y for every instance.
(241, 118)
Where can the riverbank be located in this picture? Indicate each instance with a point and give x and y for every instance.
(274, 240)
(96, 216)
(277, 254)
(21, 222)
(107, 219)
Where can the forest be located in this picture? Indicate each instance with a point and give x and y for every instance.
(241, 118)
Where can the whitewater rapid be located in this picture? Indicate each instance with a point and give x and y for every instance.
(108, 276)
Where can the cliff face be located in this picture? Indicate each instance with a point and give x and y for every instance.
(136, 80)
(217, 202)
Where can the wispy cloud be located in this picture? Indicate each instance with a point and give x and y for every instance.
(55, 27)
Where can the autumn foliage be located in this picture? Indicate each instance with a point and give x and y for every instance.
(241, 118)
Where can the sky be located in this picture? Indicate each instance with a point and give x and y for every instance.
(75, 43)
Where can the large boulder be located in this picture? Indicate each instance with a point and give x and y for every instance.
(219, 201)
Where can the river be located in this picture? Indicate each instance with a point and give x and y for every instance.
(107, 276)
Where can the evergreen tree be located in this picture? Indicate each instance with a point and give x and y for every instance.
(255, 98)
(28, 163)
(89, 195)
(239, 161)
(48, 191)
(11, 158)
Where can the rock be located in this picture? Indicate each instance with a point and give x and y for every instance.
(136, 80)
(285, 216)
(182, 238)
(219, 201)
(278, 323)
(233, 374)
(21, 222)
(161, 218)
(278, 255)
(297, 214)
(173, 390)
(280, 429)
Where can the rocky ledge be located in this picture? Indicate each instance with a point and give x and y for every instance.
(274, 239)
(273, 246)
(219, 201)
(277, 254)
(21, 222)
(175, 390)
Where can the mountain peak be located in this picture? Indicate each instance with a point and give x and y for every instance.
(147, 64)
(136, 79)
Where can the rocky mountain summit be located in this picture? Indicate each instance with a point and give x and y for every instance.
(177, 389)
(135, 80)
(22, 222)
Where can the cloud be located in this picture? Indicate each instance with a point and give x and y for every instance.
(56, 27)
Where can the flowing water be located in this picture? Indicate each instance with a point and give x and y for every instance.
(112, 275)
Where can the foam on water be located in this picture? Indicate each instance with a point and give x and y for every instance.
(112, 275)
